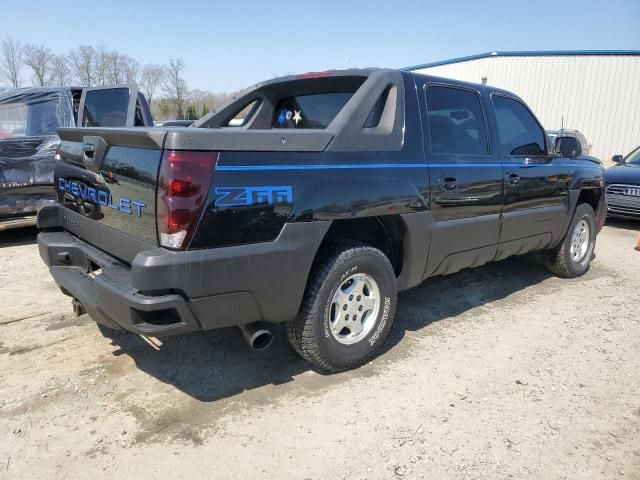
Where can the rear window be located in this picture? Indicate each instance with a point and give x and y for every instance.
(309, 111)
(33, 115)
(106, 108)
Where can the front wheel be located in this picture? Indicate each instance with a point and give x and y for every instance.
(348, 308)
(572, 257)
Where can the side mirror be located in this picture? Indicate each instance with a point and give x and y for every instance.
(568, 147)
(617, 159)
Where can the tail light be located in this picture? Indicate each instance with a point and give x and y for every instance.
(183, 184)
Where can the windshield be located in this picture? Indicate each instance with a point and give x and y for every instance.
(34, 114)
(634, 157)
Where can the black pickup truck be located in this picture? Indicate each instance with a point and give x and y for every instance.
(312, 200)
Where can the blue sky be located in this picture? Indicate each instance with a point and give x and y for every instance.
(233, 44)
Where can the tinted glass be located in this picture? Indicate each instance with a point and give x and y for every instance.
(568, 147)
(373, 120)
(243, 116)
(456, 123)
(106, 108)
(309, 111)
(37, 115)
(138, 120)
(634, 157)
(518, 131)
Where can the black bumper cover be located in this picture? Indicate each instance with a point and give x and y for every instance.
(164, 292)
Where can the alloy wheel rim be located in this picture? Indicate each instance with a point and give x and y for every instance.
(354, 308)
(579, 241)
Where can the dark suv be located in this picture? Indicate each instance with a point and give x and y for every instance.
(29, 118)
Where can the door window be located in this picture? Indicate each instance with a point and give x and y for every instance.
(456, 122)
(518, 131)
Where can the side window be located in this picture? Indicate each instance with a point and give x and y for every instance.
(142, 116)
(243, 116)
(518, 131)
(106, 108)
(456, 122)
(139, 116)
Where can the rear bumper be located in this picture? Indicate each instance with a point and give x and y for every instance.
(18, 205)
(10, 223)
(25, 200)
(103, 286)
(164, 292)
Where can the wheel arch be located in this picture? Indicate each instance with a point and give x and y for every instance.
(590, 196)
(593, 197)
(403, 238)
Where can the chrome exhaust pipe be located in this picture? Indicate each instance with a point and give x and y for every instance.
(77, 308)
(256, 335)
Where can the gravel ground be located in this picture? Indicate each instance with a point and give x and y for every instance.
(500, 372)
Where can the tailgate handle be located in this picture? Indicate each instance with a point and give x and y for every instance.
(94, 149)
(88, 149)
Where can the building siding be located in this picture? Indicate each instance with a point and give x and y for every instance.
(596, 94)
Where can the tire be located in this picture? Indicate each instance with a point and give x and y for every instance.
(367, 285)
(568, 263)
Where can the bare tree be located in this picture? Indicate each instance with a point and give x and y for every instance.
(175, 85)
(60, 71)
(205, 101)
(131, 69)
(101, 65)
(39, 59)
(11, 60)
(150, 80)
(115, 62)
(82, 61)
(93, 66)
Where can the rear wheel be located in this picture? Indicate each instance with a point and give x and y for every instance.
(348, 308)
(572, 257)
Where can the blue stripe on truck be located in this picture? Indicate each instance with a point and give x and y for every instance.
(253, 168)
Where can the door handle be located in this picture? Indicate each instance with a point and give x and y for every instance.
(512, 178)
(449, 183)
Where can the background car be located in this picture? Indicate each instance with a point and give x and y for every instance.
(29, 119)
(566, 132)
(174, 123)
(623, 186)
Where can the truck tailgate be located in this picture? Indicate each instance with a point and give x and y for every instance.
(108, 178)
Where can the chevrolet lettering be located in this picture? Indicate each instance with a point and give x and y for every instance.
(80, 191)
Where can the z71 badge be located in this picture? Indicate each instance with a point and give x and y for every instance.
(238, 196)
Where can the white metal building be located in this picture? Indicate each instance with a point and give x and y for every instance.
(596, 92)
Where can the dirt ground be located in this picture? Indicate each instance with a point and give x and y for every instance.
(501, 372)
